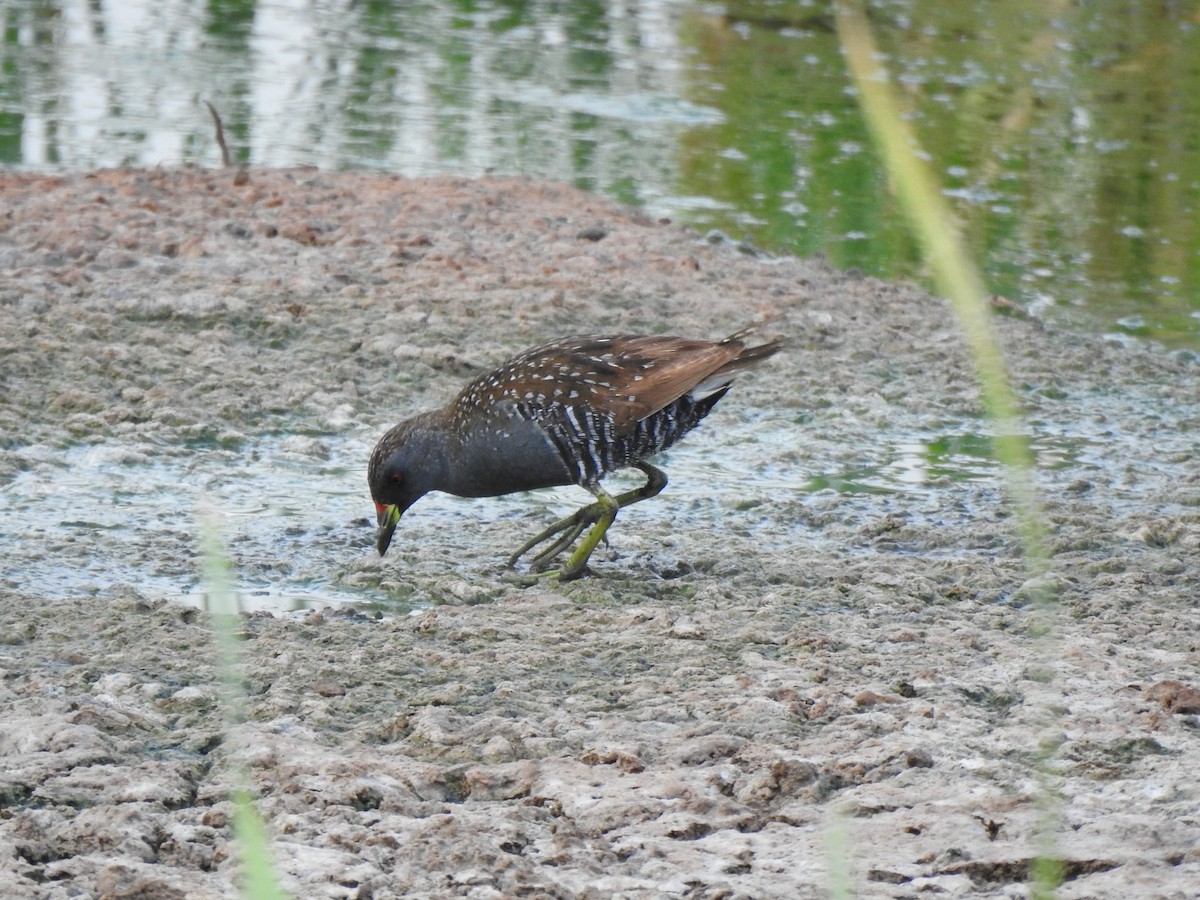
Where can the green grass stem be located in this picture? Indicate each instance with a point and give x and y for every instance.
(259, 879)
(962, 284)
(840, 878)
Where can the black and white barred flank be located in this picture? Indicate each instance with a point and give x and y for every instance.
(590, 447)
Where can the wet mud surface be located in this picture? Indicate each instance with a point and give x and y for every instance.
(819, 642)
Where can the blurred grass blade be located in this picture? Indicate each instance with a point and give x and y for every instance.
(260, 881)
(837, 854)
(961, 282)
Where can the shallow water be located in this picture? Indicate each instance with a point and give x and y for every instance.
(297, 518)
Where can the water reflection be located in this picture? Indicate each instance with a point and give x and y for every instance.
(1067, 135)
(928, 462)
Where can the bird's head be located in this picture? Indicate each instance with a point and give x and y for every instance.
(404, 467)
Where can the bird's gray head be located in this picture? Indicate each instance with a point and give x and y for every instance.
(405, 466)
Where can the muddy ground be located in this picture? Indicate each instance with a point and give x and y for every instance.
(751, 685)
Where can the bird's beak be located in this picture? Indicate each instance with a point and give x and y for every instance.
(388, 515)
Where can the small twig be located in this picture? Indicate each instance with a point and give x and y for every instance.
(226, 159)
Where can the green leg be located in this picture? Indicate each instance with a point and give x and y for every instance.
(577, 563)
(600, 515)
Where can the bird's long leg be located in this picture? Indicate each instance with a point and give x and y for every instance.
(577, 562)
(599, 515)
(656, 480)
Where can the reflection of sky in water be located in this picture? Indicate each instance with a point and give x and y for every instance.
(422, 90)
(911, 465)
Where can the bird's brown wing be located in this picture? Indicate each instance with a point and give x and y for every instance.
(627, 377)
(655, 371)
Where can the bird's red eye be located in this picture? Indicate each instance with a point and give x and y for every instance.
(397, 478)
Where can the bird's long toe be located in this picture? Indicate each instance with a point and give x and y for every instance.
(563, 533)
(564, 542)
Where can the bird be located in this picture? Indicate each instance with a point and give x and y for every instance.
(566, 412)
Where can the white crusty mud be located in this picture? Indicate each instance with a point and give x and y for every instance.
(751, 685)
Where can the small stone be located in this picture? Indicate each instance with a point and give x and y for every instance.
(329, 687)
(870, 698)
(918, 759)
(1175, 697)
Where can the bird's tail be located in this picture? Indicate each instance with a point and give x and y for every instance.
(747, 358)
(751, 356)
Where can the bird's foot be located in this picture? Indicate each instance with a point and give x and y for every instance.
(563, 533)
